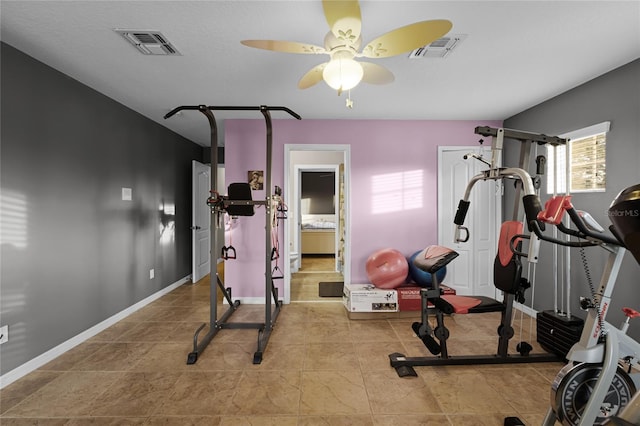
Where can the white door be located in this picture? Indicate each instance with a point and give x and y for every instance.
(201, 221)
(472, 272)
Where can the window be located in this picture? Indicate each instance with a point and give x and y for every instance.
(587, 156)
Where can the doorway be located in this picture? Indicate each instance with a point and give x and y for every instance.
(317, 233)
(318, 218)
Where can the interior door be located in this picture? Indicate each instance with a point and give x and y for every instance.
(472, 272)
(201, 221)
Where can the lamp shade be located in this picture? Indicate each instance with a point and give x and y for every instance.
(343, 73)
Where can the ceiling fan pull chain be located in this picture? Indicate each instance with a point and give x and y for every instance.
(349, 101)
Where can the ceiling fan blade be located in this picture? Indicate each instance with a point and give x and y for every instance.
(376, 74)
(284, 46)
(312, 77)
(344, 18)
(407, 38)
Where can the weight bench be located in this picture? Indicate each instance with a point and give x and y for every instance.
(508, 278)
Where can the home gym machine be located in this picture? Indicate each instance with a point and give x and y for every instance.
(239, 203)
(507, 266)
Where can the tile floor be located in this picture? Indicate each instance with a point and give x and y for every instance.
(313, 269)
(319, 368)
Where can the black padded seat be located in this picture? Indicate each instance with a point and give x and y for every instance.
(434, 258)
(487, 304)
(469, 304)
(240, 192)
(507, 268)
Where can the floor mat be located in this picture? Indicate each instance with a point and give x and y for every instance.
(330, 289)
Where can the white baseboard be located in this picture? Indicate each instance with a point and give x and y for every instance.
(50, 355)
(252, 300)
(526, 309)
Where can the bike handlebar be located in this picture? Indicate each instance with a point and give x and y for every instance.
(577, 220)
(583, 232)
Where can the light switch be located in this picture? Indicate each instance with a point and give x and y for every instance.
(126, 194)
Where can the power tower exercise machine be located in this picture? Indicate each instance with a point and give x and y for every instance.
(239, 203)
(507, 266)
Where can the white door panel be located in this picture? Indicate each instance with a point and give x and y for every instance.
(472, 272)
(201, 218)
(459, 273)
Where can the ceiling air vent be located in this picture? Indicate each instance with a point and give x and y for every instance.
(149, 42)
(439, 48)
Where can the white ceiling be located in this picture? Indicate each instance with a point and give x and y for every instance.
(516, 55)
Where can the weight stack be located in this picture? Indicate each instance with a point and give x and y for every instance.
(556, 332)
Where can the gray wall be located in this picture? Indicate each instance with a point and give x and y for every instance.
(613, 97)
(73, 253)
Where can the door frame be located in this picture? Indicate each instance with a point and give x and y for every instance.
(291, 197)
(297, 188)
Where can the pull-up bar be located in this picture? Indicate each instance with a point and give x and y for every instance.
(232, 108)
(264, 328)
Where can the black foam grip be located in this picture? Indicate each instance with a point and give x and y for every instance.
(442, 305)
(461, 214)
(531, 208)
(431, 344)
(541, 164)
(427, 339)
(416, 328)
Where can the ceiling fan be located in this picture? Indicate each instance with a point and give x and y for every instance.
(342, 43)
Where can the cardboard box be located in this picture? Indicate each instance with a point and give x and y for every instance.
(368, 298)
(355, 316)
(409, 297)
(447, 290)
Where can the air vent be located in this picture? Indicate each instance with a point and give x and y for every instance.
(149, 42)
(439, 48)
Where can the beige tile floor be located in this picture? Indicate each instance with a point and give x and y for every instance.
(313, 269)
(319, 368)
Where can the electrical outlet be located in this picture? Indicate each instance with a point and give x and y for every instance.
(152, 273)
(4, 334)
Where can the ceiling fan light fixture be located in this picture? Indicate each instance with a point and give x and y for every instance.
(343, 74)
(343, 41)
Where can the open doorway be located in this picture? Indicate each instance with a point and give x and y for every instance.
(317, 232)
(318, 217)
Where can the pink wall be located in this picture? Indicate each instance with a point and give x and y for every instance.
(382, 151)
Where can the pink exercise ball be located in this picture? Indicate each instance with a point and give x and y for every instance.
(387, 268)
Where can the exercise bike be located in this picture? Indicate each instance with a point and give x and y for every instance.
(597, 382)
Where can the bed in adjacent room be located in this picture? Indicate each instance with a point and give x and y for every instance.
(318, 234)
